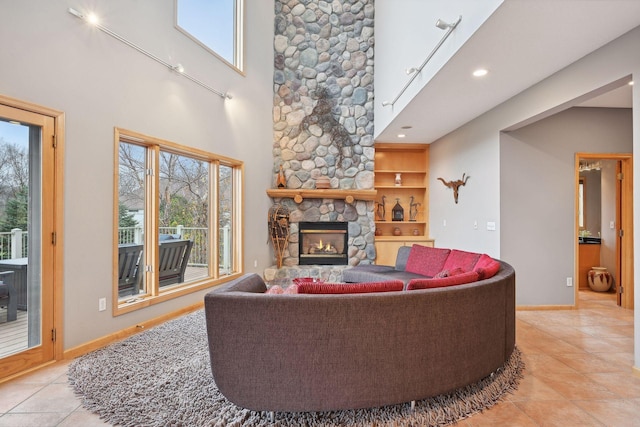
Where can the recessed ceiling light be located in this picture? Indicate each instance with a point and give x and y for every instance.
(401, 135)
(480, 72)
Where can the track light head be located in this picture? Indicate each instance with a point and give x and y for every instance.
(411, 70)
(443, 25)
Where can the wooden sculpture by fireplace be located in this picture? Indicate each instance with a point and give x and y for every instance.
(278, 222)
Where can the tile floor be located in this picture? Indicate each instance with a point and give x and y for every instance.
(578, 374)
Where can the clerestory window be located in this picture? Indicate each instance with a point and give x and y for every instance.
(217, 25)
(177, 221)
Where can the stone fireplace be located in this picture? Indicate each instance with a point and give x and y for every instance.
(322, 243)
(323, 117)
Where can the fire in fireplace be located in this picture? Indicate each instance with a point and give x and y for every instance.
(323, 243)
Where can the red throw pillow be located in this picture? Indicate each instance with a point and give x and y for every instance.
(462, 259)
(426, 261)
(350, 288)
(460, 279)
(486, 267)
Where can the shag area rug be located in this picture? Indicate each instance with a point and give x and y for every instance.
(162, 377)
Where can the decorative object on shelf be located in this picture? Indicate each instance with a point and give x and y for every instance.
(415, 232)
(381, 210)
(397, 231)
(323, 183)
(599, 279)
(413, 210)
(278, 222)
(378, 232)
(398, 180)
(281, 181)
(455, 185)
(397, 213)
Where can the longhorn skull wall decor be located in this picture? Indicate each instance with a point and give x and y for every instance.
(455, 185)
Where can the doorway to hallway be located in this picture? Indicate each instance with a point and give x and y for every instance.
(604, 221)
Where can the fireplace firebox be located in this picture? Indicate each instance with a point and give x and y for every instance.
(323, 243)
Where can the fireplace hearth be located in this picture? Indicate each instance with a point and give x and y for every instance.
(323, 243)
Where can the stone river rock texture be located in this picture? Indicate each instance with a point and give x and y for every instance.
(323, 112)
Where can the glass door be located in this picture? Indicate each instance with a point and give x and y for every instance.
(26, 239)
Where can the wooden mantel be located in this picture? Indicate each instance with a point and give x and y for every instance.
(298, 195)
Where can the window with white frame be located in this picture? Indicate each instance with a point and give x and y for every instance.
(217, 25)
(177, 222)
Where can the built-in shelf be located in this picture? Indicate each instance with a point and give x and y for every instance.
(298, 195)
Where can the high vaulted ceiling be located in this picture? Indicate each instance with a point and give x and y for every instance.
(522, 43)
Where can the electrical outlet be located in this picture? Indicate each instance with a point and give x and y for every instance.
(569, 281)
(444, 222)
(102, 304)
(255, 263)
(475, 225)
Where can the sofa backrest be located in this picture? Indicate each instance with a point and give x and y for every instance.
(402, 257)
(250, 282)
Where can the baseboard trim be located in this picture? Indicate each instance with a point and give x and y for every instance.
(545, 307)
(98, 343)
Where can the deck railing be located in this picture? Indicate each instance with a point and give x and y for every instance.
(198, 235)
(13, 244)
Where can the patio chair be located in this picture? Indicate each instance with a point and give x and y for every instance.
(173, 256)
(128, 269)
(8, 297)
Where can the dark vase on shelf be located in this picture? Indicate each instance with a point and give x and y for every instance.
(397, 213)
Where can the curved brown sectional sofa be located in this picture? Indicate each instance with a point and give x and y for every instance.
(325, 352)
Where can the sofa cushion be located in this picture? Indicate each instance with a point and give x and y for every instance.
(299, 280)
(462, 259)
(275, 289)
(291, 289)
(350, 288)
(440, 275)
(449, 273)
(426, 261)
(486, 267)
(459, 279)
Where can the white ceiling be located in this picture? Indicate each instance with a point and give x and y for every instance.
(522, 43)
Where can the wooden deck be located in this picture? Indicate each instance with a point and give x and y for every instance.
(13, 335)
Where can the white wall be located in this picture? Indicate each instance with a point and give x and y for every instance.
(480, 140)
(537, 190)
(407, 35)
(53, 59)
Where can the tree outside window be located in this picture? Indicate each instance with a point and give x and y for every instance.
(166, 211)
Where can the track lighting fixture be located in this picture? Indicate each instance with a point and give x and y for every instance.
(413, 72)
(178, 68)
